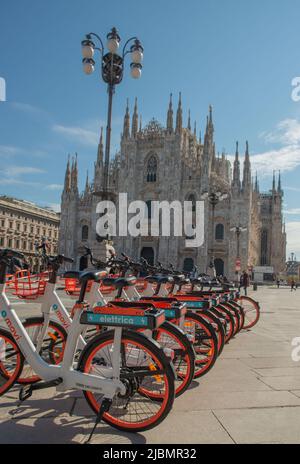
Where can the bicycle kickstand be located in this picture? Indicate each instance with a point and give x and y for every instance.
(105, 405)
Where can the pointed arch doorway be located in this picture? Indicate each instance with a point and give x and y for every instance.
(148, 254)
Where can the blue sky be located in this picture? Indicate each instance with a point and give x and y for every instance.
(239, 56)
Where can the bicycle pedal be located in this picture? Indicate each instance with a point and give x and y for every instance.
(25, 392)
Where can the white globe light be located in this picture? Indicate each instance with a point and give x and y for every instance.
(88, 68)
(87, 51)
(136, 72)
(113, 45)
(137, 56)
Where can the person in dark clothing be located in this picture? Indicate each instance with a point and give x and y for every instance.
(293, 285)
(14, 266)
(244, 281)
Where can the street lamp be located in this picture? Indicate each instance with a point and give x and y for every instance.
(238, 230)
(213, 198)
(112, 69)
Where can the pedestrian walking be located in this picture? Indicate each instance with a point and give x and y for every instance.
(244, 281)
(293, 285)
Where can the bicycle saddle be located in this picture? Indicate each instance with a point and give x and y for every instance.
(85, 275)
(119, 282)
(159, 279)
(180, 279)
(196, 281)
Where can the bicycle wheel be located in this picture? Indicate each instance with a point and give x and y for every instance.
(218, 325)
(11, 361)
(222, 312)
(205, 342)
(146, 373)
(52, 348)
(241, 313)
(236, 316)
(251, 309)
(170, 336)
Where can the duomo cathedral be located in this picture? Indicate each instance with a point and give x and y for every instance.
(170, 163)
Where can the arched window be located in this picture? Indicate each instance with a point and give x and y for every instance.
(148, 254)
(152, 169)
(219, 235)
(264, 248)
(85, 233)
(219, 267)
(188, 264)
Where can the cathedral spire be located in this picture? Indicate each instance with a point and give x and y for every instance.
(274, 182)
(140, 129)
(189, 121)
(135, 121)
(210, 124)
(67, 184)
(279, 189)
(247, 170)
(170, 116)
(256, 189)
(74, 175)
(195, 129)
(87, 184)
(126, 125)
(236, 182)
(179, 116)
(100, 148)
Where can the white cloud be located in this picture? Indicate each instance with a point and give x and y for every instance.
(17, 171)
(287, 132)
(293, 237)
(28, 108)
(84, 136)
(9, 150)
(54, 206)
(54, 187)
(292, 211)
(284, 158)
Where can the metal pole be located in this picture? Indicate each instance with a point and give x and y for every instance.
(237, 255)
(110, 90)
(213, 238)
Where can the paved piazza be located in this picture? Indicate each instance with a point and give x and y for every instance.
(252, 395)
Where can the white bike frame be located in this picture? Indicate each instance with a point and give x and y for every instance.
(109, 385)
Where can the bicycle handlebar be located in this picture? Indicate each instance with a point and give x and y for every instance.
(8, 253)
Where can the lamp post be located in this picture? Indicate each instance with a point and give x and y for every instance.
(238, 230)
(112, 70)
(213, 198)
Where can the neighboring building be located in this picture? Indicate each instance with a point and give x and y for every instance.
(167, 163)
(23, 225)
(293, 268)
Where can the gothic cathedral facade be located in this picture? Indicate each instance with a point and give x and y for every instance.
(172, 163)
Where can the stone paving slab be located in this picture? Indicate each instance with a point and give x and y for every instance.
(263, 362)
(208, 400)
(263, 425)
(283, 383)
(279, 371)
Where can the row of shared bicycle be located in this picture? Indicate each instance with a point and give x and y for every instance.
(135, 338)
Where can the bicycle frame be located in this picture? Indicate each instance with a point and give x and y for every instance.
(71, 379)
